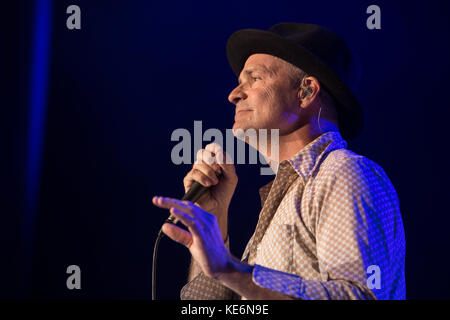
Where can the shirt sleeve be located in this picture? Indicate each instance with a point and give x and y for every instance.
(299, 288)
(359, 238)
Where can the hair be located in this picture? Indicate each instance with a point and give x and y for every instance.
(328, 103)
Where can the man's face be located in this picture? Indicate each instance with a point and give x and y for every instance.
(265, 97)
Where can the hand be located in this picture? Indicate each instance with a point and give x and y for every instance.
(216, 200)
(203, 240)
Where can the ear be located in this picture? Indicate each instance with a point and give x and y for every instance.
(309, 89)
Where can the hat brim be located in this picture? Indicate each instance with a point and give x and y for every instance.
(243, 43)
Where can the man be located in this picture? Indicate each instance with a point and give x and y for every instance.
(330, 226)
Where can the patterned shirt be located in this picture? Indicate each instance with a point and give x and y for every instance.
(330, 228)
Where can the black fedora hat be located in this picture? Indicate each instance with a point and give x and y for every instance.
(317, 51)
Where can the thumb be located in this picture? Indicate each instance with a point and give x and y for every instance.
(222, 158)
(177, 234)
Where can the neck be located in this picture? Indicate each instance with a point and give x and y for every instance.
(295, 141)
(291, 143)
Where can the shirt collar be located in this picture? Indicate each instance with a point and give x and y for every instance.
(309, 157)
(305, 161)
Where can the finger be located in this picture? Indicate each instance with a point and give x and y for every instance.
(204, 174)
(185, 219)
(216, 149)
(221, 157)
(206, 162)
(187, 209)
(177, 234)
(167, 203)
(205, 156)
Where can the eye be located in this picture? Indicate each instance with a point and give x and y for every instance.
(256, 78)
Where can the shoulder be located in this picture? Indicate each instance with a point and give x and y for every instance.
(348, 168)
(348, 180)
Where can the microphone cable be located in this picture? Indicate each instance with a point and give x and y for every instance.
(155, 255)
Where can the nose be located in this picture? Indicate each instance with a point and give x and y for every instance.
(237, 94)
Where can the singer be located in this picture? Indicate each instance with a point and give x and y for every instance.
(330, 225)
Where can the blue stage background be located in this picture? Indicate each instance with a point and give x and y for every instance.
(88, 134)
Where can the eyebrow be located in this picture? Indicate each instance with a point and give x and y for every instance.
(253, 69)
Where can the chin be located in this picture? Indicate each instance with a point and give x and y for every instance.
(245, 125)
(239, 125)
(241, 132)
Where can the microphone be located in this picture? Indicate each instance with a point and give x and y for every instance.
(193, 194)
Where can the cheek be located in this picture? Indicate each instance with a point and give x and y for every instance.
(282, 108)
(273, 108)
(262, 96)
(268, 93)
(268, 102)
(276, 104)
